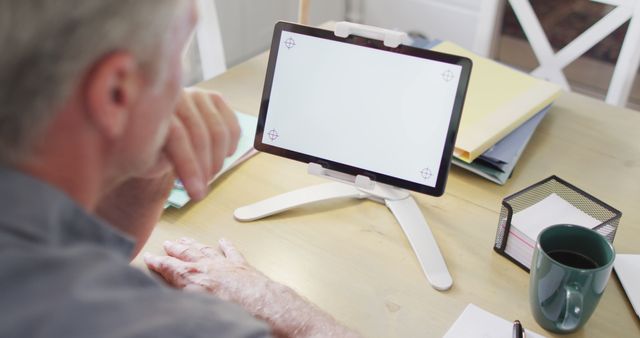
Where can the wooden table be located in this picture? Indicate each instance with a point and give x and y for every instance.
(353, 260)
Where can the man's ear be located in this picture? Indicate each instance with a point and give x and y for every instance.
(111, 90)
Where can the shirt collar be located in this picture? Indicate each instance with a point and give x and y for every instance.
(34, 211)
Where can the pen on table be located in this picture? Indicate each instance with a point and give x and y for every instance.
(518, 331)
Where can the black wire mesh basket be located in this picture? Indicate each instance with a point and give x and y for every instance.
(608, 217)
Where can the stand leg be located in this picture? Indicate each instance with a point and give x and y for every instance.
(296, 198)
(404, 209)
(424, 245)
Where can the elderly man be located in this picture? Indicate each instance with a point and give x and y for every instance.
(94, 128)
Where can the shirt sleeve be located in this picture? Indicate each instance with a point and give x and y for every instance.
(84, 292)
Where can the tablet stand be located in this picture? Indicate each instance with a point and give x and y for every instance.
(399, 201)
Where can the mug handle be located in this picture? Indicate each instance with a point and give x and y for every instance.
(573, 308)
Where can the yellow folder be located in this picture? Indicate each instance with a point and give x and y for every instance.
(499, 99)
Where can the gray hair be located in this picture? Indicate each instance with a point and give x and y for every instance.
(48, 44)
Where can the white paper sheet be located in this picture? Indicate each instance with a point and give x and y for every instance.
(475, 322)
(551, 210)
(628, 270)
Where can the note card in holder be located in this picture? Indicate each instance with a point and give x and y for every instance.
(551, 201)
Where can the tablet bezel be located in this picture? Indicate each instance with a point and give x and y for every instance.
(454, 123)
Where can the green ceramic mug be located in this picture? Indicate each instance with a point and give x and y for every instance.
(569, 272)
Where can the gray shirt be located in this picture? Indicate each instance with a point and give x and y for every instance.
(64, 273)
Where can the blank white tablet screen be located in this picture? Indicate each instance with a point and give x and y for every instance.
(380, 111)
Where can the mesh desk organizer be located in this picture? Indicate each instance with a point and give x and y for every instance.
(606, 216)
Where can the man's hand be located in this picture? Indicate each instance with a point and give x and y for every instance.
(223, 271)
(203, 133)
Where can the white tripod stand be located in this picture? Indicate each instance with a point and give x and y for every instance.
(399, 201)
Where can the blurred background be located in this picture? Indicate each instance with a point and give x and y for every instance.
(487, 27)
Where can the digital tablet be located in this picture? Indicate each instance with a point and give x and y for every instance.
(358, 107)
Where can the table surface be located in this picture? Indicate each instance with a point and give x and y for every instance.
(352, 259)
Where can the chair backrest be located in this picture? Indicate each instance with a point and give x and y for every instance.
(552, 63)
(209, 40)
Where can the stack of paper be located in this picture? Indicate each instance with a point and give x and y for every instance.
(475, 322)
(179, 197)
(527, 224)
(497, 163)
(501, 112)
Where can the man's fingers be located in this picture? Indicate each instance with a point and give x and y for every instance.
(231, 252)
(218, 130)
(211, 252)
(173, 270)
(185, 252)
(211, 129)
(208, 251)
(190, 250)
(183, 158)
(197, 131)
(230, 119)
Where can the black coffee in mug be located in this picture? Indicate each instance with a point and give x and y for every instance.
(573, 259)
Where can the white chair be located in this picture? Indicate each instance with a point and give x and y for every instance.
(303, 12)
(488, 27)
(209, 40)
(551, 63)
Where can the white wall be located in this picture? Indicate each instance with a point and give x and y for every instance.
(247, 25)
